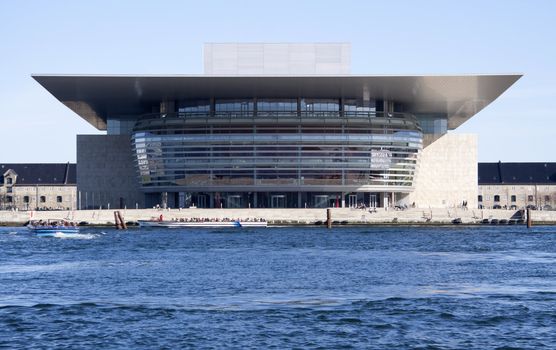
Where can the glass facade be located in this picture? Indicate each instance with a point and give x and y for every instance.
(119, 126)
(243, 106)
(194, 106)
(269, 151)
(433, 124)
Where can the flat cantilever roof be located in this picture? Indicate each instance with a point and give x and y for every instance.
(95, 97)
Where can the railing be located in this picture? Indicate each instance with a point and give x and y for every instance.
(277, 114)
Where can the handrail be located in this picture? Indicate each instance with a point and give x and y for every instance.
(276, 114)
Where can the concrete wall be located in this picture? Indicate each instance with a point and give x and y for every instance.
(447, 173)
(106, 172)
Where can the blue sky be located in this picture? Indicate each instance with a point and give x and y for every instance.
(387, 37)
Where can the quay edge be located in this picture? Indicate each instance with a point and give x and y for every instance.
(349, 216)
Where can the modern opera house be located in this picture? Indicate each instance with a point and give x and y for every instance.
(276, 126)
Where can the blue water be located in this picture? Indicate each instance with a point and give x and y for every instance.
(366, 287)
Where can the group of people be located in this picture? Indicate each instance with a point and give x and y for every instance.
(43, 223)
(217, 220)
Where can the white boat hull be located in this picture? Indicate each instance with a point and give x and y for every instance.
(51, 230)
(202, 224)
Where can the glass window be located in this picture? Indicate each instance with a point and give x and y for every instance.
(320, 105)
(496, 198)
(25, 199)
(120, 126)
(480, 198)
(43, 199)
(59, 199)
(9, 181)
(239, 106)
(275, 105)
(9, 199)
(547, 198)
(9, 189)
(530, 198)
(194, 106)
(358, 105)
(433, 124)
(513, 198)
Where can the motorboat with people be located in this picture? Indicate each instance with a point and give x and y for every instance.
(202, 222)
(52, 227)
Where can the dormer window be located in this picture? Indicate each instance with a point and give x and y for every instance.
(9, 181)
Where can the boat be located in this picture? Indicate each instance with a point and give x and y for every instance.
(200, 224)
(52, 227)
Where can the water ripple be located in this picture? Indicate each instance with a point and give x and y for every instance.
(379, 287)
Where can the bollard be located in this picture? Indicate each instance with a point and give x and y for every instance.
(529, 220)
(329, 218)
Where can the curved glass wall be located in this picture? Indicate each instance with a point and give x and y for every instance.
(285, 150)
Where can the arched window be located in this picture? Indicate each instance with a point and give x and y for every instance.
(496, 198)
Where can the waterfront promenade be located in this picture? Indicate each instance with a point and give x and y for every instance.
(283, 216)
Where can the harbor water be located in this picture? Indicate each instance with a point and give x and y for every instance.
(293, 287)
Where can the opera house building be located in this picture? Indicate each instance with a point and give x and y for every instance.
(276, 126)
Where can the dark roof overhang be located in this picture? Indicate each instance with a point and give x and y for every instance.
(95, 97)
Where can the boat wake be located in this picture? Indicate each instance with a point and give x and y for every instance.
(63, 235)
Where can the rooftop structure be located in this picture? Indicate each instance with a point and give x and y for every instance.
(292, 59)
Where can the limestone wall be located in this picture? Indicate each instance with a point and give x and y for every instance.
(447, 173)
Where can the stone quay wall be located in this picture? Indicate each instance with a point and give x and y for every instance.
(283, 216)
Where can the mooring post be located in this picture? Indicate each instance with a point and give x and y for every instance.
(329, 218)
(118, 220)
(122, 222)
(529, 220)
